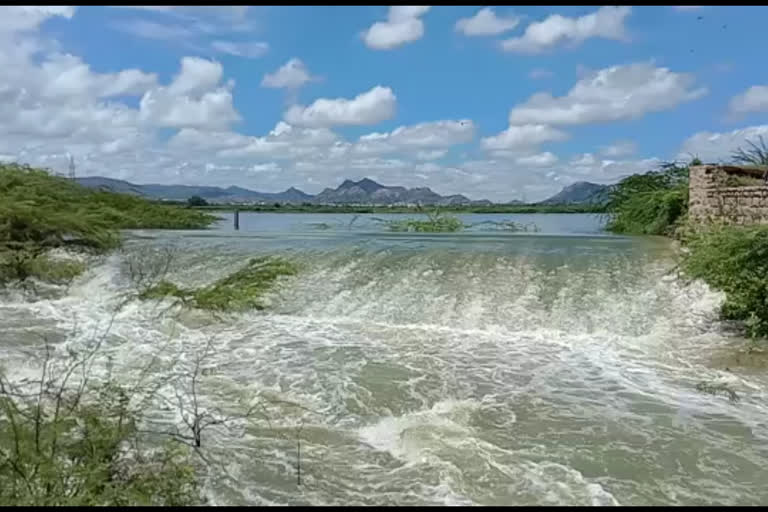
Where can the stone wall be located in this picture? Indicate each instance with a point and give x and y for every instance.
(713, 196)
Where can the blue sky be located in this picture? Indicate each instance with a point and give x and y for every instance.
(493, 102)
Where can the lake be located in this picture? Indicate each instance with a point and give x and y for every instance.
(483, 367)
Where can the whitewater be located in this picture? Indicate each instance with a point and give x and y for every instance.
(474, 368)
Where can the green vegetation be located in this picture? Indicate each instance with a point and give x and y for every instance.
(653, 203)
(733, 259)
(40, 212)
(239, 291)
(68, 448)
(196, 201)
(436, 222)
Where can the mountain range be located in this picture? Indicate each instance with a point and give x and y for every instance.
(365, 191)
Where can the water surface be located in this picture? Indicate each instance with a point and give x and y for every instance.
(481, 367)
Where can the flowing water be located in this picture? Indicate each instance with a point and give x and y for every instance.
(481, 367)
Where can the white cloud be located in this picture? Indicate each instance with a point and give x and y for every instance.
(433, 154)
(25, 18)
(540, 73)
(249, 50)
(523, 138)
(63, 76)
(718, 147)
(193, 99)
(754, 99)
(370, 107)
(486, 23)
(435, 134)
(611, 94)
(606, 23)
(291, 75)
(402, 26)
(619, 148)
(545, 159)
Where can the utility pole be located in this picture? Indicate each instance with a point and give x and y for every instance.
(71, 167)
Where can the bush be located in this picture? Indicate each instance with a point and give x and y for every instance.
(239, 291)
(61, 447)
(735, 260)
(197, 201)
(436, 223)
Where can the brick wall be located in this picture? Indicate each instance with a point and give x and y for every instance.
(712, 198)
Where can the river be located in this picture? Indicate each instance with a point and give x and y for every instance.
(482, 367)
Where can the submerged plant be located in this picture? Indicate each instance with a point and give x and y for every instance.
(510, 225)
(236, 292)
(714, 389)
(436, 222)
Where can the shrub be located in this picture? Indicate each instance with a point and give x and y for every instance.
(66, 448)
(197, 201)
(239, 291)
(436, 222)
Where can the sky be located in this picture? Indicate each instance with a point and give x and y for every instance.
(496, 103)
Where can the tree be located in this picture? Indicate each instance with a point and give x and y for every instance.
(197, 201)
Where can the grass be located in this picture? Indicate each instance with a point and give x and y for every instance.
(239, 291)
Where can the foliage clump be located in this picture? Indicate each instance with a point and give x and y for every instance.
(61, 447)
(653, 203)
(436, 222)
(239, 291)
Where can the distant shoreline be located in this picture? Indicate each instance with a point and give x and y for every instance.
(288, 208)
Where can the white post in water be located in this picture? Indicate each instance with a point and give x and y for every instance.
(237, 219)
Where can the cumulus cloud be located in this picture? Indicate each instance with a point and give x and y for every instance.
(523, 138)
(436, 134)
(545, 159)
(611, 94)
(193, 99)
(486, 23)
(754, 99)
(291, 75)
(403, 26)
(719, 146)
(605, 23)
(370, 107)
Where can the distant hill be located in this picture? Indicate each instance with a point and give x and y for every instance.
(365, 191)
(581, 192)
(368, 191)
